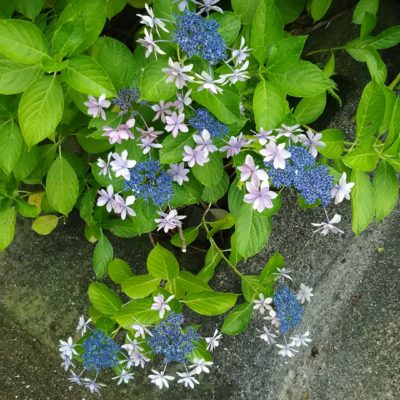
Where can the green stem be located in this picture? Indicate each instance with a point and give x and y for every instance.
(395, 82)
(324, 50)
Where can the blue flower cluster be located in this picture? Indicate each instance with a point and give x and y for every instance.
(99, 352)
(313, 181)
(149, 181)
(126, 99)
(204, 120)
(198, 36)
(171, 341)
(288, 309)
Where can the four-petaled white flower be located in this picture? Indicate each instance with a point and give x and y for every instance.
(289, 132)
(178, 173)
(121, 206)
(259, 195)
(208, 5)
(132, 346)
(67, 348)
(147, 143)
(200, 365)
(162, 109)
(195, 156)
(137, 358)
(237, 75)
(262, 304)
(327, 227)
(188, 379)
(312, 141)
(121, 165)
(141, 330)
(213, 341)
(161, 305)
(242, 53)
(177, 73)
(106, 198)
(124, 377)
(342, 189)
(275, 153)
(151, 21)
(104, 165)
(301, 340)
(283, 274)
(305, 293)
(67, 362)
(264, 136)
(183, 100)
(272, 318)
(208, 83)
(169, 221)
(159, 379)
(74, 378)
(175, 124)
(150, 45)
(92, 385)
(268, 336)
(286, 350)
(96, 107)
(234, 145)
(120, 133)
(83, 324)
(249, 170)
(204, 142)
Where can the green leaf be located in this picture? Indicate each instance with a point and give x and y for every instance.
(189, 193)
(29, 8)
(85, 75)
(191, 283)
(22, 42)
(7, 227)
(161, 263)
(190, 235)
(210, 302)
(229, 26)
(370, 111)
(45, 224)
(172, 150)
(302, 79)
(252, 231)
(102, 256)
(309, 109)
(267, 28)
(226, 222)
(140, 286)
(11, 144)
(25, 209)
(213, 194)
(364, 6)
(246, 10)
(139, 312)
(235, 199)
(386, 189)
(334, 143)
(368, 24)
(92, 12)
(210, 173)
(153, 85)
(319, 8)
(285, 53)
(68, 37)
(114, 7)
(238, 319)
(123, 70)
(290, 10)
(62, 186)
(362, 201)
(27, 162)
(16, 78)
(266, 277)
(251, 287)
(386, 39)
(213, 258)
(363, 157)
(234, 256)
(40, 109)
(119, 270)
(225, 106)
(104, 299)
(269, 105)
(394, 124)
